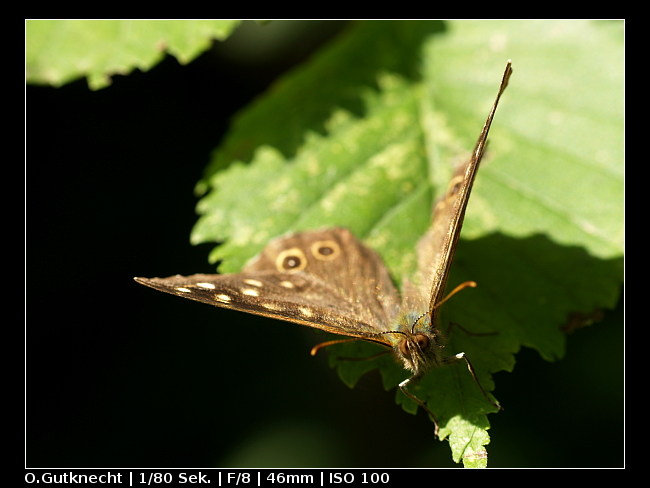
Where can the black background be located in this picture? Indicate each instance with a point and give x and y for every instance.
(120, 375)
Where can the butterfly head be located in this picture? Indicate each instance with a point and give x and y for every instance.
(418, 345)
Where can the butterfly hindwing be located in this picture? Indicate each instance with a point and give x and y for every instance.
(335, 256)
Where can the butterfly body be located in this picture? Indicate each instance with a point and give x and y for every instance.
(329, 280)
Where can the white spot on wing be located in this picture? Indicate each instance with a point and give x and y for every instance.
(184, 290)
(287, 284)
(209, 286)
(252, 282)
(251, 292)
(306, 311)
(223, 298)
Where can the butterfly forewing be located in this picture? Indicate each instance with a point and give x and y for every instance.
(436, 248)
(303, 278)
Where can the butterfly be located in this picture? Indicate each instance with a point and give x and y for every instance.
(329, 280)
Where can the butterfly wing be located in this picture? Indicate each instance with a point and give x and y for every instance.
(323, 279)
(437, 246)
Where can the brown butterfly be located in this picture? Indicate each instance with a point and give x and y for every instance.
(329, 280)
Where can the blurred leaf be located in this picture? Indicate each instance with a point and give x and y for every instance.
(59, 51)
(303, 100)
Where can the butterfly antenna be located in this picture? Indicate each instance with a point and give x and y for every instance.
(417, 320)
(320, 346)
(390, 332)
(369, 337)
(466, 284)
(462, 286)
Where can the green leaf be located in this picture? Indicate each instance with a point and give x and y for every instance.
(304, 99)
(377, 159)
(560, 144)
(59, 51)
(366, 133)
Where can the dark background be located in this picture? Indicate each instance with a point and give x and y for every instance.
(118, 375)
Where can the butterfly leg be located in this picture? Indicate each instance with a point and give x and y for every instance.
(469, 333)
(402, 386)
(462, 355)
